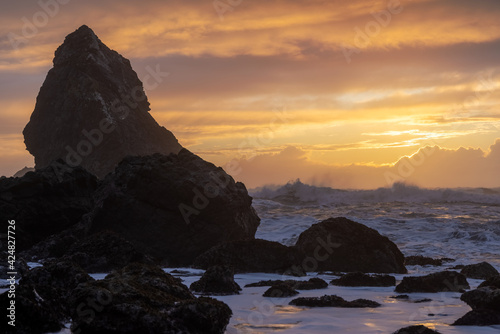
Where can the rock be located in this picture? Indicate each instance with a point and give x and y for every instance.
(45, 202)
(280, 290)
(23, 171)
(340, 244)
(312, 284)
(480, 317)
(419, 329)
(55, 281)
(33, 315)
(492, 281)
(104, 252)
(437, 282)
(420, 260)
(155, 203)
(92, 111)
(253, 256)
(20, 267)
(333, 301)
(482, 270)
(483, 298)
(405, 297)
(141, 298)
(217, 280)
(360, 279)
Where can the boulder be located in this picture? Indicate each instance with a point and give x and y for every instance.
(280, 290)
(140, 298)
(33, 315)
(419, 329)
(333, 301)
(340, 244)
(312, 284)
(92, 110)
(55, 281)
(174, 207)
(45, 202)
(492, 281)
(483, 298)
(482, 270)
(479, 317)
(437, 282)
(217, 280)
(361, 279)
(104, 252)
(420, 260)
(253, 256)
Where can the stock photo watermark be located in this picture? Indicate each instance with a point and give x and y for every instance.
(31, 25)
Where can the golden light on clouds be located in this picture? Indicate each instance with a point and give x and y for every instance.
(334, 83)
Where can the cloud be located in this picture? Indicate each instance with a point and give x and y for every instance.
(430, 166)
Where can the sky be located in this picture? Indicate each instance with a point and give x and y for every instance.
(347, 94)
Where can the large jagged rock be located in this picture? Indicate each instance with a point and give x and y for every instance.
(173, 207)
(144, 299)
(92, 110)
(45, 202)
(340, 244)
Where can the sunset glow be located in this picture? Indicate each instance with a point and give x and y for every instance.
(337, 93)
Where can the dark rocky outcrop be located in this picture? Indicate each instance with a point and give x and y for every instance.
(361, 279)
(55, 281)
(173, 207)
(419, 329)
(33, 315)
(280, 290)
(436, 282)
(104, 252)
(42, 297)
(333, 301)
(492, 281)
(217, 280)
(482, 270)
(483, 298)
(340, 244)
(312, 284)
(420, 260)
(485, 304)
(144, 299)
(45, 202)
(479, 318)
(92, 111)
(253, 256)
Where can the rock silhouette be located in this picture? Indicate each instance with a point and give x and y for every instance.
(92, 110)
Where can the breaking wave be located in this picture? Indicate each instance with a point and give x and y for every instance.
(297, 193)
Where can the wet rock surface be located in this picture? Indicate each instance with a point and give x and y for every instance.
(333, 301)
(217, 280)
(340, 244)
(253, 256)
(144, 299)
(361, 279)
(482, 270)
(436, 282)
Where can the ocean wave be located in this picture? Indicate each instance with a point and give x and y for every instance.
(298, 193)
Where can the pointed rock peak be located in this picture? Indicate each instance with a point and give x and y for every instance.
(92, 110)
(78, 45)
